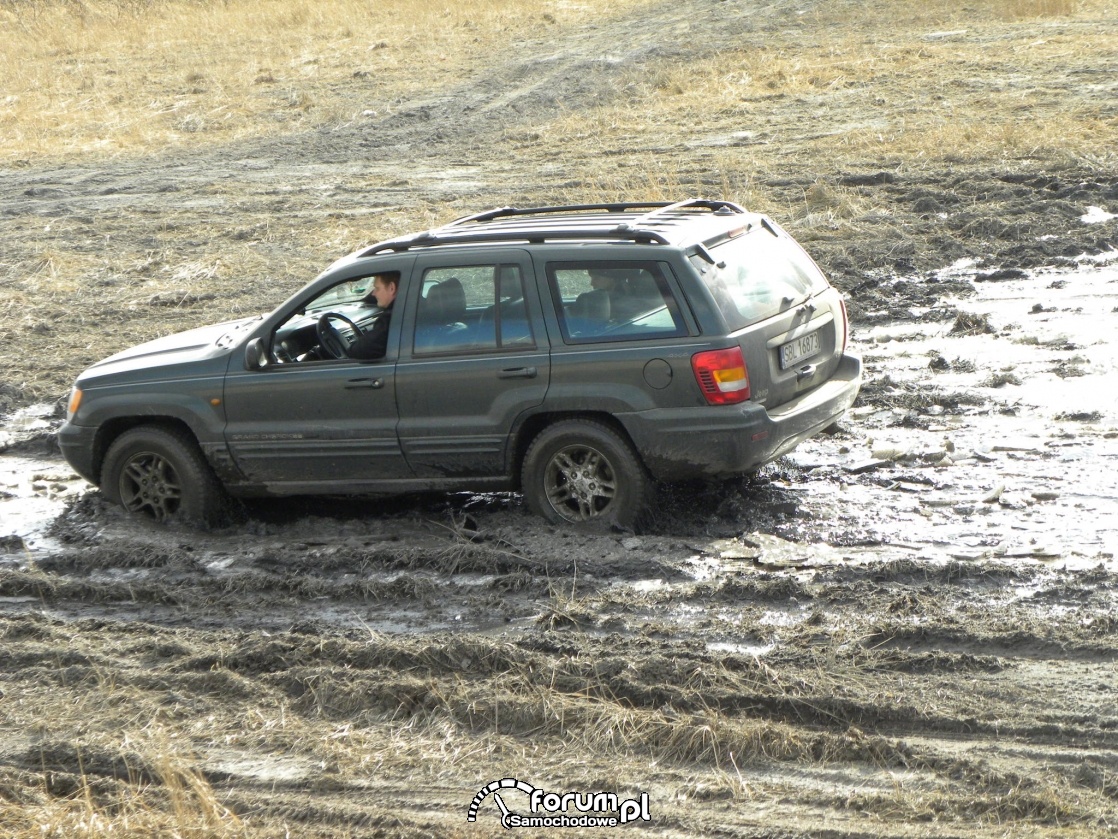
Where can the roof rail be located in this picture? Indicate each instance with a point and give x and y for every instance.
(433, 238)
(657, 207)
(688, 203)
(462, 230)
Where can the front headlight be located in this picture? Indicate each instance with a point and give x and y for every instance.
(74, 403)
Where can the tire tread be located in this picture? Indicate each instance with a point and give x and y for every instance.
(208, 504)
(632, 511)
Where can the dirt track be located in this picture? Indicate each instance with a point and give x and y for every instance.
(907, 628)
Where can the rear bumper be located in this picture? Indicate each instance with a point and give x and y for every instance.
(711, 441)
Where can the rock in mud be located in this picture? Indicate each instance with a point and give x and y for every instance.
(864, 466)
(11, 544)
(1001, 274)
(1079, 416)
(889, 453)
(994, 494)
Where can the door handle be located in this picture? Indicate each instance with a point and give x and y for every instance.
(805, 372)
(517, 373)
(355, 384)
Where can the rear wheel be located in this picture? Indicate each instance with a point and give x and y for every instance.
(582, 470)
(160, 473)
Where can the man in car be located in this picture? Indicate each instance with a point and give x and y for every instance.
(373, 344)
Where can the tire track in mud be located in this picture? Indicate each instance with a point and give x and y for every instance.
(894, 669)
(632, 699)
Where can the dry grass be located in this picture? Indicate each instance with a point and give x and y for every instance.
(1018, 9)
(122, 76)
(931, 82)
(181, 804)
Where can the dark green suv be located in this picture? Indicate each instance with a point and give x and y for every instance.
(577, 354)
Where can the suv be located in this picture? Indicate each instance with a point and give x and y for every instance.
(577, 354)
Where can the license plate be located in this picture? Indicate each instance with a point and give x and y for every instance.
(801, 348)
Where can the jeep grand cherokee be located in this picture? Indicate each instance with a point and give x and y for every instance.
(578, 354)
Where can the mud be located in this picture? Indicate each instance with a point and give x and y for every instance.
(907, 627)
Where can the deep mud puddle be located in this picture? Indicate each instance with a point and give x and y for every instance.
(991, 431)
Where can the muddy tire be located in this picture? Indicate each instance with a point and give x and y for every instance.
(160, 473)
(581, 470)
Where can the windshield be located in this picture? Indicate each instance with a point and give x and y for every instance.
(758, 275)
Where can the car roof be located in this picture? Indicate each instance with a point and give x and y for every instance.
(693, 221)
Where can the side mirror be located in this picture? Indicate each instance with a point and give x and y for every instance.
(255, 356)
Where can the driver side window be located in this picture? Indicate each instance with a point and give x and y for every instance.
(342, 306)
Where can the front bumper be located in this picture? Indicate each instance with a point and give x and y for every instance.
(77, 443)
(710, 441)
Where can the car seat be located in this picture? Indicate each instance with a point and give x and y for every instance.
(440, 320)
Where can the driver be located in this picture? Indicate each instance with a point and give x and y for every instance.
(374, 344)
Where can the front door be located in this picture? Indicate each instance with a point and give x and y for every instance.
(306, 423)
(326, 426)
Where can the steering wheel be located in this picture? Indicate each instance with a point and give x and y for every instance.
(328, 336)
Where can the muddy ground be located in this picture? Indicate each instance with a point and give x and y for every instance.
(908, 627)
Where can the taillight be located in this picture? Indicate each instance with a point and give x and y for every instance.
(845, 324)
(722, 375)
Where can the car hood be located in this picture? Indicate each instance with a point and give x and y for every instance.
(205, 342)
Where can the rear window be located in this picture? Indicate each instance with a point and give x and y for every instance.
(758, 275)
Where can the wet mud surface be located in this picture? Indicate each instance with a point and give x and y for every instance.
(907, 627)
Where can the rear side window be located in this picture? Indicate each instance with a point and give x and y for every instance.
(471, 309)
(758, 275)
(613, 301)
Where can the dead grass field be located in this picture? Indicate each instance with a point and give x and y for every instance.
(927, 84)
(789, 117)
(168, 164)
(106, 77)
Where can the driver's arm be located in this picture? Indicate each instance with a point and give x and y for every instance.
(373, 344)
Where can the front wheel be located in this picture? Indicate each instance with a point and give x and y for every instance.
(582, 470)
(160, 473)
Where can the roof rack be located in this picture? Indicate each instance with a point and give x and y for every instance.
(657, 208)
(433, 238)
(464, 231)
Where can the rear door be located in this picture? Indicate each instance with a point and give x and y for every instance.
(630, 349)
(474, 359)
